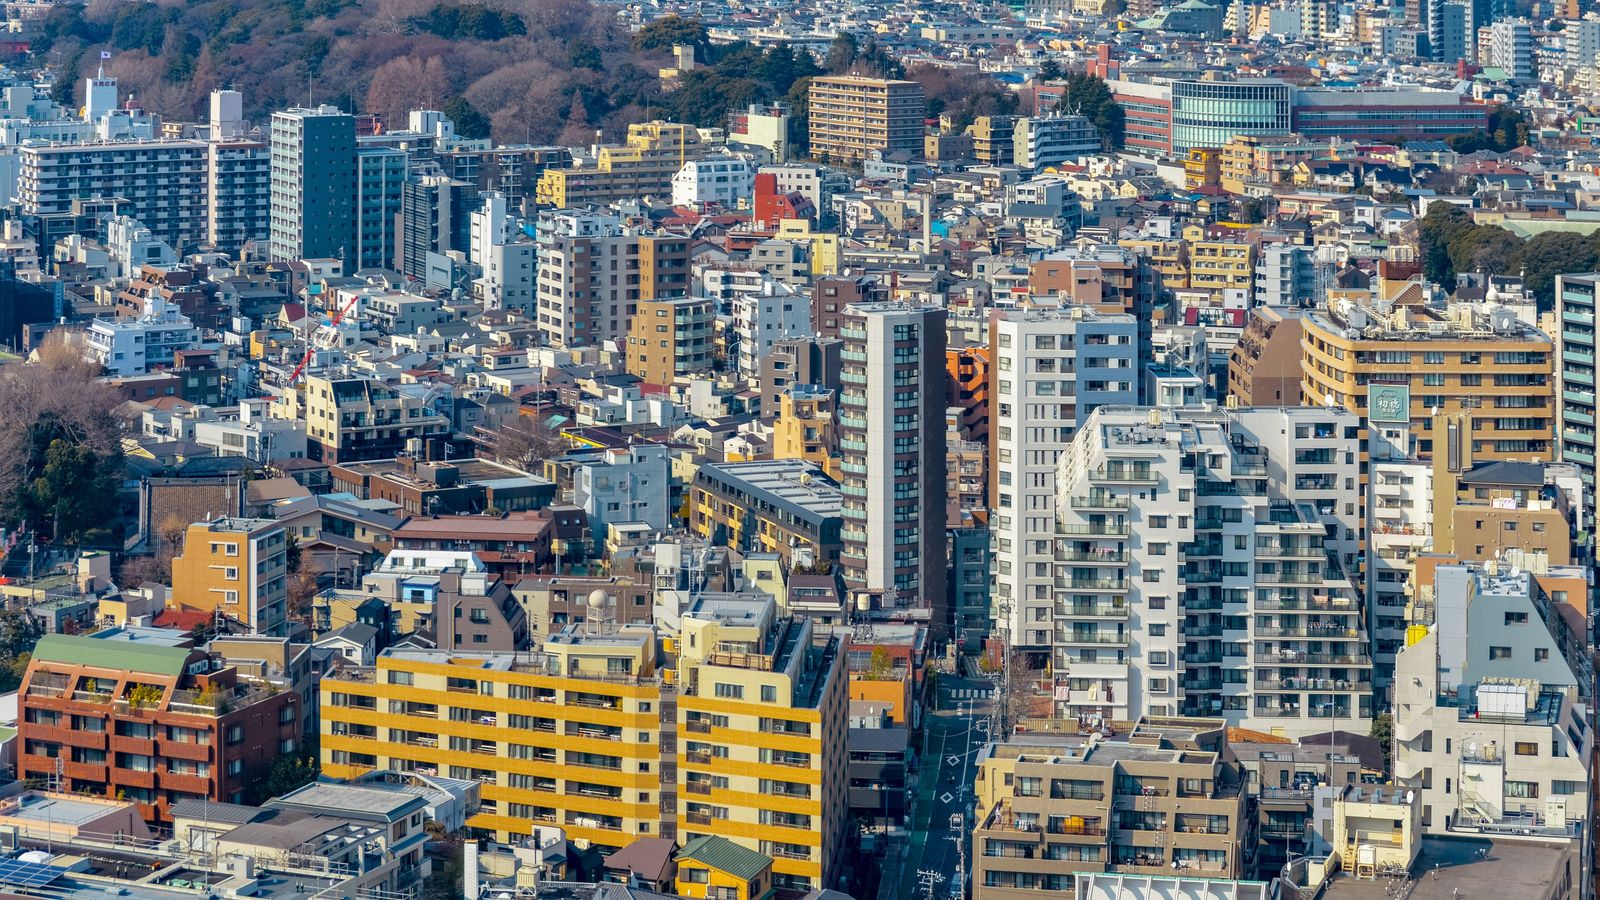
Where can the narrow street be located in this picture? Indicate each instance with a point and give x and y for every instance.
(955, 730)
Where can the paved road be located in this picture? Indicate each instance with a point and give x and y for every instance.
(954, 732)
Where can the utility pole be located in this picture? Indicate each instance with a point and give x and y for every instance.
(1003, 707)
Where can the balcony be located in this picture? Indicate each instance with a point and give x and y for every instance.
(1329, 632)
(1091, 584)
(1103, 557)
(1290, 577)
(1315, 603)
(1300, 657)
(1103, 529)
(1094, 610)
(1099, 502)
(1125, 476)
(1080, 637)
(1300, 683)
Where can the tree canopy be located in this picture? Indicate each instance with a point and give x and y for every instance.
(669, 31)
(1089, 96)
(1507, 130)
(1452, 242)
(60, 451)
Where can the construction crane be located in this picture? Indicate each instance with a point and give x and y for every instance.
(311, 346)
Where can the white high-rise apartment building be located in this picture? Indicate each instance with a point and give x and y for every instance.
(1190, 580)
(762, 318)
(162, 182)
(1050, 370)
(509, 260)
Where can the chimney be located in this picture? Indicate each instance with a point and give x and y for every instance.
(469, 871)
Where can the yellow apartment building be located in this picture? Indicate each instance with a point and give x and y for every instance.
(1220, 266)
(237, 568)
(568, 736)
(1408, 363)
(1263, 160)
(761, 715)
(806, 427)
(1169, 258)
(642, 166)
(1202, 168)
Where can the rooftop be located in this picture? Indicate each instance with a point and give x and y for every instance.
(352, 798)
(1451, 868)
(76, 650)
(794, 486)
(724, 855)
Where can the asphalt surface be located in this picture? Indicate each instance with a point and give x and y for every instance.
(954, 732)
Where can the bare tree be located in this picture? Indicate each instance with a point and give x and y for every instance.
(525, 443)
(57, 397)
(303, 589)
(139, 570)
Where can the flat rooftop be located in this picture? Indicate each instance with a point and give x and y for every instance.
(1452, 868)
(57, 809)
(793, 486)
(350, 798)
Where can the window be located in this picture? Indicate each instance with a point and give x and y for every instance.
(235, 766)
(1522, 790)
(1527, 748)
(1516, 618)
(769, 693)
(1541, 654)
(1499, 652)
(730, 691)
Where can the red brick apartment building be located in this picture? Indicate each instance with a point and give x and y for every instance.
(148, 723)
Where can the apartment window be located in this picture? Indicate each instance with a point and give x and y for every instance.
(1541, 654)
(1499, 652)
(235, 734)
(1527, 748)
(769, 693)
(400, 678)
(730, 691)
(1522, 790)
(1516, 618)
(1565, 788)
(235, 766)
